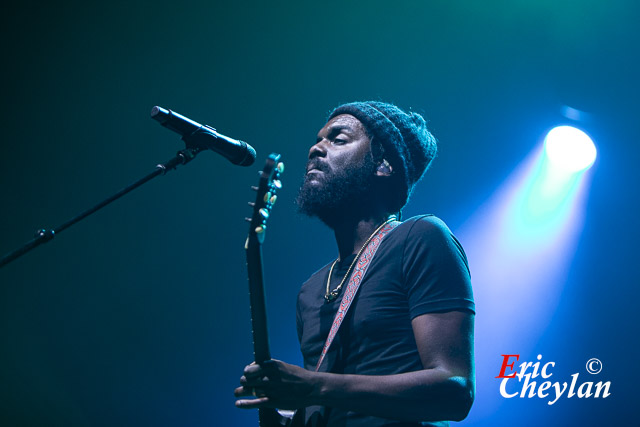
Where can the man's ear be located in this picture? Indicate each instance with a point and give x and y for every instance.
(384, 168)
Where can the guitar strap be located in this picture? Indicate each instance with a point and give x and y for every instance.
(354, 283)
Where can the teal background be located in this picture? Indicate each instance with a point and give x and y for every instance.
(139, 314)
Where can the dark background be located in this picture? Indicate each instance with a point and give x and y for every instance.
(139, 315)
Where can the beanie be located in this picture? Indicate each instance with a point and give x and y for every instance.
(408, 146)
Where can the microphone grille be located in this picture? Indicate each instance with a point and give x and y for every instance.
(250, 155)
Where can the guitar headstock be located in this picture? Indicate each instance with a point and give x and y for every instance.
(266, 196)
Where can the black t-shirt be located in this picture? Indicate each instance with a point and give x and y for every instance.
(419, 268)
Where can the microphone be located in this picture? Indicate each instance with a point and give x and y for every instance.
(205, 137)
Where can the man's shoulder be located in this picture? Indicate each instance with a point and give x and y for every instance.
(321, 272)
(423, 225)
(429, 234)
(422, 233)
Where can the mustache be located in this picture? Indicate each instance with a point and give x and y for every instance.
(316, 163)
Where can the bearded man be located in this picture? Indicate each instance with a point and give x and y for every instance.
(386, 330)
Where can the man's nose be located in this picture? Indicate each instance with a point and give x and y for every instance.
(319, 149)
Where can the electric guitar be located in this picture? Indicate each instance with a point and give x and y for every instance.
(266, 196)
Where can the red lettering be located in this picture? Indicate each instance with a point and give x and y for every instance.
(505, 365)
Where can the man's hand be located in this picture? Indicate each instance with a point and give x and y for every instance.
(443, 390)
(275, 384)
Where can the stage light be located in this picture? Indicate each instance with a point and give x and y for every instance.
(521, 244)
(569, 149)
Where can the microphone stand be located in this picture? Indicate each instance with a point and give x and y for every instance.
(182, 157)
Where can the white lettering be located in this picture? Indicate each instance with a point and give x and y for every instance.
(531, 386)
(545, 385)
(573, 385)
(544, 369)
(600, 386)
(585, 393)
(528, 388)
(559, 392)
(503, 389)
(536, 366)
(523, 368)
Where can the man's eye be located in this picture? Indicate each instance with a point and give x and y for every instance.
(339, 141)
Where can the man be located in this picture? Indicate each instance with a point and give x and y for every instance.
(403, 353)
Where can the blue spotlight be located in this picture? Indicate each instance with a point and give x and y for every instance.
(569, 149)
(520, 245)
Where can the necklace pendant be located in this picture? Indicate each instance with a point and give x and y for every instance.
(331, 296)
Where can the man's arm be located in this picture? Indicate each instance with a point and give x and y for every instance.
(443, 390)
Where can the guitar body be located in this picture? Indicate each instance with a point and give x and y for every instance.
(269, 417)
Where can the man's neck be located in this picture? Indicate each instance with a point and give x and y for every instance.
(352, 235)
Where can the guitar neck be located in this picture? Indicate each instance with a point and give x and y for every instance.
(265, 198)
(258, 306)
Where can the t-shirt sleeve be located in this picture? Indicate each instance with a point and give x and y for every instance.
(435, 269)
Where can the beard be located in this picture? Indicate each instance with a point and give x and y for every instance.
(334, 196)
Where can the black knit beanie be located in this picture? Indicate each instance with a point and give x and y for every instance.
(408, 146)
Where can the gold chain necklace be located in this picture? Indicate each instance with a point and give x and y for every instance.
(330, 296)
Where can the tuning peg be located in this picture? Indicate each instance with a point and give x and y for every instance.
(252, 204)
(254, 188)
(280, 167)
(267, 196)
(273, 199)
(247, 219)
(264, 212)
(277, 183)
(260, 229)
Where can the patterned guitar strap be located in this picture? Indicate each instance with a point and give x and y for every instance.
(354, 283)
